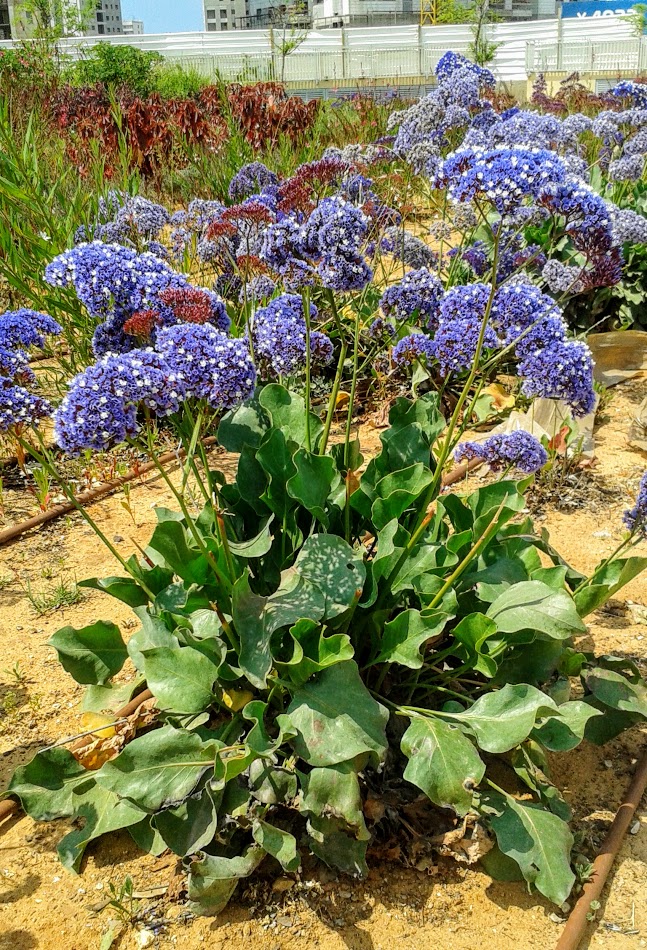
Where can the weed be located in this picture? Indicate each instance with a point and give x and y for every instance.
(16, 672)
(61, 594)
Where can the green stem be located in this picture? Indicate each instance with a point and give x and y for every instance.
(49, 465)
(332, 403)
(305, 296)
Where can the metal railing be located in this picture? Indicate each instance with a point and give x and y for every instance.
(587, 56)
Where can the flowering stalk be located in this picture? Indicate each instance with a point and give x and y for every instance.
(305, 295)
(332, 402)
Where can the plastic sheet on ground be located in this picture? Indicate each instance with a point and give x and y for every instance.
(619, 355)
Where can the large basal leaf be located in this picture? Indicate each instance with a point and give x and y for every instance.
(614, 690)
(397, 492)
(331, 841)
(566, 731)
(111, 697)
(442, 762)
(335, 718)
(473, 633)
(180, 679)
(287, 410)
(125, 589)
(313, 482)
(46, 784)
(170, 544)
(160, 769)
(244, 426)
(537, 840)
(153, 633)
(212, 880)
(313, 652)
(280, 844)
(608, 581)
(403, 636)
(337, 831)
(93, 654)
(255, 547)
(191, 826)
(533, 605)
(275, 457)
(101, 812)
(502, 719)
(423, 411)
(330, 564)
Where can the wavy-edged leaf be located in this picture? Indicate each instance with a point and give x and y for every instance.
(102, 812)
(181, 680)
(280, 844)
(92, 654)
(533, 605)
(566, 731)
(212, 880)
(159, 769)
(442, 762)
(501, 720)
(46, 784)
(405, 634)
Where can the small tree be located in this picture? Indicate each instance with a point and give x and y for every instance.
(637, 18)
(51, 20)
(482, 50)
(291, 35)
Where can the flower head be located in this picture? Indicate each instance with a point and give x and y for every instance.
(517, 449)
(635, 518)
(419, 292)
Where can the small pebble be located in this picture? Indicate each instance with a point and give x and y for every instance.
(145, 938)
(556, 919)
(118, 539)
(635, 828)
(608, 764)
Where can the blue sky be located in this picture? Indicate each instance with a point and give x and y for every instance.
(165, 16)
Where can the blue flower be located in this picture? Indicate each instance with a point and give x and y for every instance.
(251, 179)
(635, 518)
(562, 370)
(416, 346)
(18, 407)
(418, 293)
(517, 449)
(279, 336)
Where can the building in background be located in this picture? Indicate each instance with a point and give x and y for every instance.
(133, 27)
(105, 19)
(5, 20)
(222, 15)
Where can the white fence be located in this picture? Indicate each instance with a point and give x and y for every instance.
(588, 56)
(380, 54)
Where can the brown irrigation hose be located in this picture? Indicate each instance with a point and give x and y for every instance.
(15, 530)
(578, 920)
(10, 806)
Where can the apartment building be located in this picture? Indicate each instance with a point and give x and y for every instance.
(255, 14)
(105, 19)
(133, 27)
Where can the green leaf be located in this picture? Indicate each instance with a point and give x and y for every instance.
(566, 731)
(124, 589)
(473, 632)
(314, 480)
(147, 837)
(212, 880)
(275, 456)
(271, 784)
(330, 564)
(102, 812)
(154, 633)
(533, 605)
(337, 831)
(423, 411)
(159, 769)
(608, 582)
(45, 785)
(255, 547)
(280, 844)
(397, 492)
(503, 719)
(191, 826)
(93, 654)
(442, 762)
(617, 691)
(313, 652)
(180, 679)
(243, 426)
(336, 718)
(169, 541)
(403, 636)
(287, 410)
(537, 840)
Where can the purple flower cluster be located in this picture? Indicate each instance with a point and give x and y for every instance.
(517, 449)
(562, 278)
(208, 364)
(279, 336)
(408, 248)
(635, 518)
(563, 370)
(461, 319)
(18, 407)
(626, 168)
(19, 330)
(415, 346)
(503, 177)
(418, 294)
(251, 179)
(518, 306)
(260, 287)
(450, 62)
(628, 226)
(626, 89)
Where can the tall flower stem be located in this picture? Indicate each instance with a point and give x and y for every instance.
(332, 402)
(305, 296)
(44, 458)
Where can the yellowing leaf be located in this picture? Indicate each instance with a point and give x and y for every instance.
(96, 721)
(343, 398)
(500, 398)
(235, 699)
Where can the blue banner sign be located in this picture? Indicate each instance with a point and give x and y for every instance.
(595, 8)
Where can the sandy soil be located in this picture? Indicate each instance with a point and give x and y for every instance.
(450, 907)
